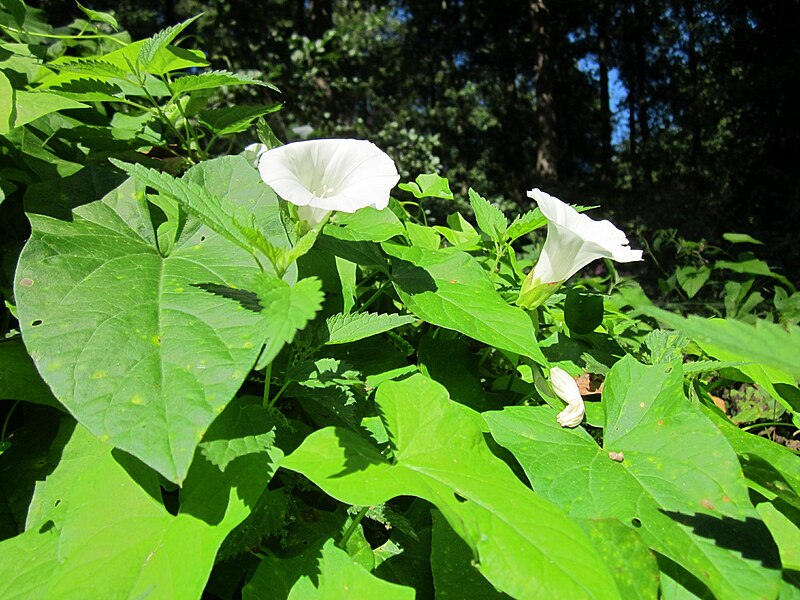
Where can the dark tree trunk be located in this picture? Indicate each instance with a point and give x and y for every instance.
(641, 71)
(320, 17)
(546, 155)
(605, 100)
(695, 124)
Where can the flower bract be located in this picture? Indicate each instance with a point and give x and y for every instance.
(573, 241)
(320, 176)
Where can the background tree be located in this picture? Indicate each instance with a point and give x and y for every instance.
(671, 114)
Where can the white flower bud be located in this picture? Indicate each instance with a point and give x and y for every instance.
(567, 390)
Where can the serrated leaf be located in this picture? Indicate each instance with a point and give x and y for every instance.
(523, 224)
(88, 89)
(346, 328)
(254, 434)
(91, 66)
(193, 198)
(672, 477)
(333, 386)
(664, 347)
(706, 366)
(165, 61)
(153, 46)
(213, 80)
(323, 571)
(429, 185)
(95, 529)
(100, 17)
(491, 220)
(240, 224)
(235, 119)
(287, 310)
(451, 290)
(533, 550)
(126, 339)
(265, 520)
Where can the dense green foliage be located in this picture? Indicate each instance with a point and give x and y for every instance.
(203, 396)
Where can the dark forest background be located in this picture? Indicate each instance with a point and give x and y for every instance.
(669, 114)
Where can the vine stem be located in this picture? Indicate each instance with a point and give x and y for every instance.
(54, 36)
(348, 534)
(374, 297)
(6, 421)
(267, 377)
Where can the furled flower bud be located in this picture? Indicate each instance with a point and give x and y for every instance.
(565, 388)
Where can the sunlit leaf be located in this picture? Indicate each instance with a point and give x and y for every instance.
(533, 551)
(663, 470)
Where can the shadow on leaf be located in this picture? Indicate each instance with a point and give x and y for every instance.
(750, 537)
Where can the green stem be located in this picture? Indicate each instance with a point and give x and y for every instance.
(512, 374)
(54, 36)
(6, 421)
(278, 395)
(773, 424)
(374, 297)
(191, 135)
(267, 379)
(347, 534)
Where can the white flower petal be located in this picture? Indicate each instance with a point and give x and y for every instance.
(567, 390)
(571, 416)
(311, 215)
(330, 175)
(574, 240)
(565, 386)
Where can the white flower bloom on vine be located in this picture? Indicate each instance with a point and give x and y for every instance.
(320, 176)
(565, 388)
(573, 241)
(253, 152)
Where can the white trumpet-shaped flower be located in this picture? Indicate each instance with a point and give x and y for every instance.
(565, 388)
(320, 176)
(573, 241)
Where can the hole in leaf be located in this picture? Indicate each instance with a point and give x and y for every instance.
(636, 522)
(46, 526)
(57, 502)
(202, 238)
(459, 498)
(36, 323)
